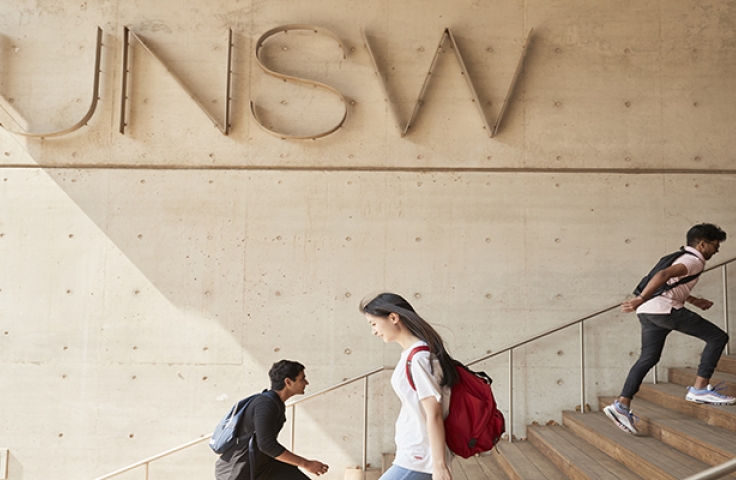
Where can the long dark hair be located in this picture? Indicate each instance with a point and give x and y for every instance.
(387, 303)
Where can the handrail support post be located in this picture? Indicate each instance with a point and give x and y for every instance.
(582, 367)
(293, 425)
(511, 395)
(725, 306)
(365, 427)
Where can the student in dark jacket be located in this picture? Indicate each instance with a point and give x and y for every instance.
(265, 416)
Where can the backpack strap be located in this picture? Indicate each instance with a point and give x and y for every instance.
(683, 280)
(421, 348)
(252, 445)
(663, 263)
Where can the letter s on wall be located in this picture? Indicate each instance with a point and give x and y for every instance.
(285, 29)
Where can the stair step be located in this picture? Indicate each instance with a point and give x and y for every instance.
(727, 364)
(522, 461)
(541, 461)
(359, 474)
(575, 457)
(686, 375)
(489, 464)
(709, 444)
(672, 396)
(473, 469)
(459, 473)
(647, 456)
(462, 468)
(386, 460)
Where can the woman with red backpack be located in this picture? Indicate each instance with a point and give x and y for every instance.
(421, 451)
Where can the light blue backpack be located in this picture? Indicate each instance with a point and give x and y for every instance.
(225, 435)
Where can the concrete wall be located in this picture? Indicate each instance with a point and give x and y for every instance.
(149, 279)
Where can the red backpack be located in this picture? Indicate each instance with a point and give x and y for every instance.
(474, 424)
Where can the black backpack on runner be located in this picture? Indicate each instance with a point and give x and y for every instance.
(663, 263)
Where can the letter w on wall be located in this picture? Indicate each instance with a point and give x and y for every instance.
(420, 100)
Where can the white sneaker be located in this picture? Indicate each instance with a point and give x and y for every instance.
(710, 395)
(622, 419)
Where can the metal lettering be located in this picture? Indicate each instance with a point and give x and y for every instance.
(127, 34)
(259, 45)
(90, 111)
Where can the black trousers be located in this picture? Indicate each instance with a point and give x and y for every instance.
(654, 331)
(235, 465)
(275, 470)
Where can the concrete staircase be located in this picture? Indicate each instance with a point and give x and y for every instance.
(677, 439)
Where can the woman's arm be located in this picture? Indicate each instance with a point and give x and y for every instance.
(436, 430)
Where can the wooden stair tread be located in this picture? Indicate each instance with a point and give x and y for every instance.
(458, 470)
(611, 464)
(473, 469)
(516, 465)
(651, 411)
(649, 457)
(542, 462)
(577, 458)
(672, 396)
(727, 364)
(490, 466)
(707, 443)
(685, 376)
(690, 425)
(718, 376)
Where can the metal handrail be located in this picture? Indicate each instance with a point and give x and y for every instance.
(148, 460)
(510, 349)
(364, 377)
(715, 472)
(720, 470)
(336, 386)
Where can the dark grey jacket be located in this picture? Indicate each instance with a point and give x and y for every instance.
(265, 416)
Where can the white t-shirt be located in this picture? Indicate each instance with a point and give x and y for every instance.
(675, 298)
(413, 450)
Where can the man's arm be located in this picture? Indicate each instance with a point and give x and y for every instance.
(657, 281)
(267, 424)
(312, 466)
(701, 303)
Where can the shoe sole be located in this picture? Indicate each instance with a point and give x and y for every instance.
(703, 402)
(616, 422)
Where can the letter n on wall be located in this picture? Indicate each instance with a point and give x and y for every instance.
(127, 34)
